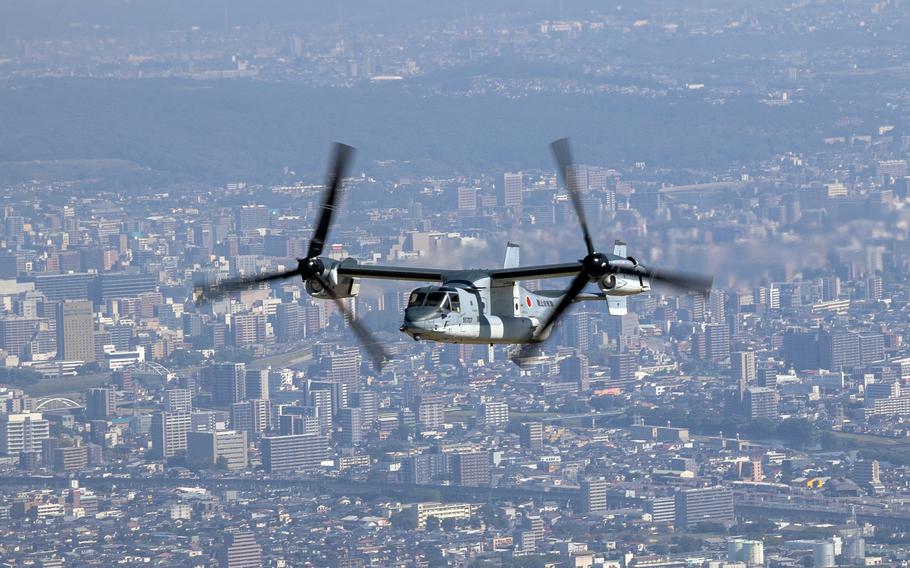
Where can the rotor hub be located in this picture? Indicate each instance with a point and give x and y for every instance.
(596, 265)
(309, 267)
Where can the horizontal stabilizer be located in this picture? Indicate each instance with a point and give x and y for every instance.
(512, 258)
(617, 305)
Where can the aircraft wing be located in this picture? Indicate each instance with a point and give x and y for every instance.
(392, 272)
(535, 272)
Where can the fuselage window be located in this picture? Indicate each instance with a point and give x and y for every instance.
(455, 302)
(417, 299)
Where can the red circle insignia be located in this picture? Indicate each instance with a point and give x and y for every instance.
(528, 300)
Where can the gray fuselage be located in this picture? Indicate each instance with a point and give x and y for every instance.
(471, 311)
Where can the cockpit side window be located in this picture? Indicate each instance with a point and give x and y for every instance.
(417, 299)
(454, 301)
(436, 299)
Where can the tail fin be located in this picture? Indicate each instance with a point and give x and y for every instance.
(512, 258)
(619, 248)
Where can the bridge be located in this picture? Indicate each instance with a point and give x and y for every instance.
(56, 403)
(319, 485)
(817, 510)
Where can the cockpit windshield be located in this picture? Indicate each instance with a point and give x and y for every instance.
(445, 300)
(436, 299)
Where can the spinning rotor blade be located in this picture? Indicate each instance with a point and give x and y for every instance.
(575, 288)
(563, 155)
(377, 353)
(680, 280)
(341, 160)
(216, 291)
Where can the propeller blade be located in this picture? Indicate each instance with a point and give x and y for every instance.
(563, 155)
(341, 161)
(374, 348)
(216, 291)
(681, 280)
(575, 288)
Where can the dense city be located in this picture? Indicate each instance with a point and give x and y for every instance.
(763, 424)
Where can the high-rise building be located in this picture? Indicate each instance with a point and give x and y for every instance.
(169, 430)
(662, 510)
(100, 404)
(57, 287)
(512, 189)
(577, 176)
(750, 470)
(257, 383)
(202, 421)
(424, 469)
(471, 469)
(760, 402)
(71, 458)
(123, 285)
(801, 349)
(251, 217)
(707, 504)
(838, 349)
(16, 333)
(288, 322)
(494, 414)
(576, 369)
(467, 198)
(344, 366)
(871, 347)
(368, 403)
(229, 383)
(622, 369)
(75, 331)
(742, 367)
(532, 436)
(876, 391)
(225, 449)
(321, 403)
(866, 474)
(594, 496)
(717, 305)
(430, 412)
(338, 392)
(240, 550)
(289, 453)
(252, 416)
(178, 400)
(296, 424)
(23, 432)
(351, 422)
(249, 329)
(578, 331)
(717, 342)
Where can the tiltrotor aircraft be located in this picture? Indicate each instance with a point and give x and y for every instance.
(471, 305)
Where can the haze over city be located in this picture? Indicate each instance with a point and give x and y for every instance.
(514, 283)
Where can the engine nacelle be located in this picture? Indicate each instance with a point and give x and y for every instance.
(624, 285)
(343, 286)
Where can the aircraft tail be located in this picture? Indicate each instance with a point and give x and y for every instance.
(619, 248)
(512, 258)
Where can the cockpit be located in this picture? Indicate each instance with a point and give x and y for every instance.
(435, 312)
(443, 299)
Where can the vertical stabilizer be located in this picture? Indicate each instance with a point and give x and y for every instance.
(512, 258)
(619, 248)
